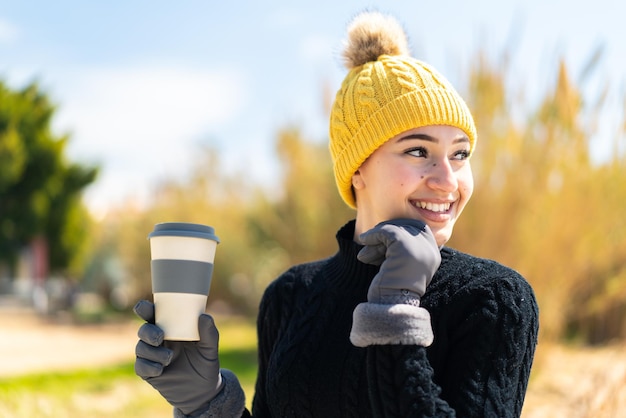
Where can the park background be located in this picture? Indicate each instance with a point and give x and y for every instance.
(116, 116)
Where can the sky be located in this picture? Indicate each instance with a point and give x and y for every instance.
(142, 86)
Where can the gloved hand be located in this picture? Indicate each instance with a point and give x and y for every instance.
(186, 373)
(408, 256)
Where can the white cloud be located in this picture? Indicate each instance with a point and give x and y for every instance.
(148, 106)
(144, 123)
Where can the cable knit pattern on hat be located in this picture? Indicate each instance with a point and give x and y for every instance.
(484, 319)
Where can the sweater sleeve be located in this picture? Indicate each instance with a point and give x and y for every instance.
(484, 354)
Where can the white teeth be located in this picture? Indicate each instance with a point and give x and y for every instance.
(434, 207)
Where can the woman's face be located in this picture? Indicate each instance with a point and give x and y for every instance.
(423, 174)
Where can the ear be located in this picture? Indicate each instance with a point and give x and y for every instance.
(357, 181)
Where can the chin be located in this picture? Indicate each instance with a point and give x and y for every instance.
(442, 236)
(441, 241)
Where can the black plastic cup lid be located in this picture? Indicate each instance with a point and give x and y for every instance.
(183, 229)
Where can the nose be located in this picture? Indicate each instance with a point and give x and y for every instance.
(441, 176)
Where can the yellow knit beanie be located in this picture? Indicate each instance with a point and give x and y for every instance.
(385, 93)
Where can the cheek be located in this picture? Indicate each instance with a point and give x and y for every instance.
(466, 181)
(403, 178)
(466, 188)
(468, 191)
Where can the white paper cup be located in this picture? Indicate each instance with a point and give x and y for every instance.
(182, 256)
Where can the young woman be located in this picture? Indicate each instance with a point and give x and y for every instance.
(395, 323)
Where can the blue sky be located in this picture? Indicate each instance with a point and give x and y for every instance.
(141, 85)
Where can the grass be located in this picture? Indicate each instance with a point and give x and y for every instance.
(116, 390)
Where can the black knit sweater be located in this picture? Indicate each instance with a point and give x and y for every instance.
(485, 322)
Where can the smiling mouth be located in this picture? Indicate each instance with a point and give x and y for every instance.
(433, 207)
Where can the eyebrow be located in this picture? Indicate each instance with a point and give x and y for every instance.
(425, 137)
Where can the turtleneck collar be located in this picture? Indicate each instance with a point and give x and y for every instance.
(345, 269)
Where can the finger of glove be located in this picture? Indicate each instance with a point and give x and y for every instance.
(376, 242)
(391, 229)
(161, 355)
(372, 254)
(414, 226)
(386, 233)
(144, 310)
(151, 334)
(378, 235)
(390, 235)
(146, 368)
(209, 337)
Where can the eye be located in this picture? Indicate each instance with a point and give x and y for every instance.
(417, 152)
(461, 155)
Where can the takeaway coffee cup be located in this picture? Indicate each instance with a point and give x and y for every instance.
(181, 268)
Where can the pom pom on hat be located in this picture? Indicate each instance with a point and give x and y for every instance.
(371, 35)
(386, 92)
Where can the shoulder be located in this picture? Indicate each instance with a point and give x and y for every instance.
(467, 280)
(463, 264)
(292, 282)
(482, 300)
(283, 297)
(300, 275)
(468, 270)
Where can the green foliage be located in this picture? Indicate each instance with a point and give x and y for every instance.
(12, 156)
(39, 189)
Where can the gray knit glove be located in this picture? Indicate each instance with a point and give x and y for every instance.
(186, 373)
(408, 256)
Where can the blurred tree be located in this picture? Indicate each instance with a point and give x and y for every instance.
(309, 210)
(543, 207)
(39, 189)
